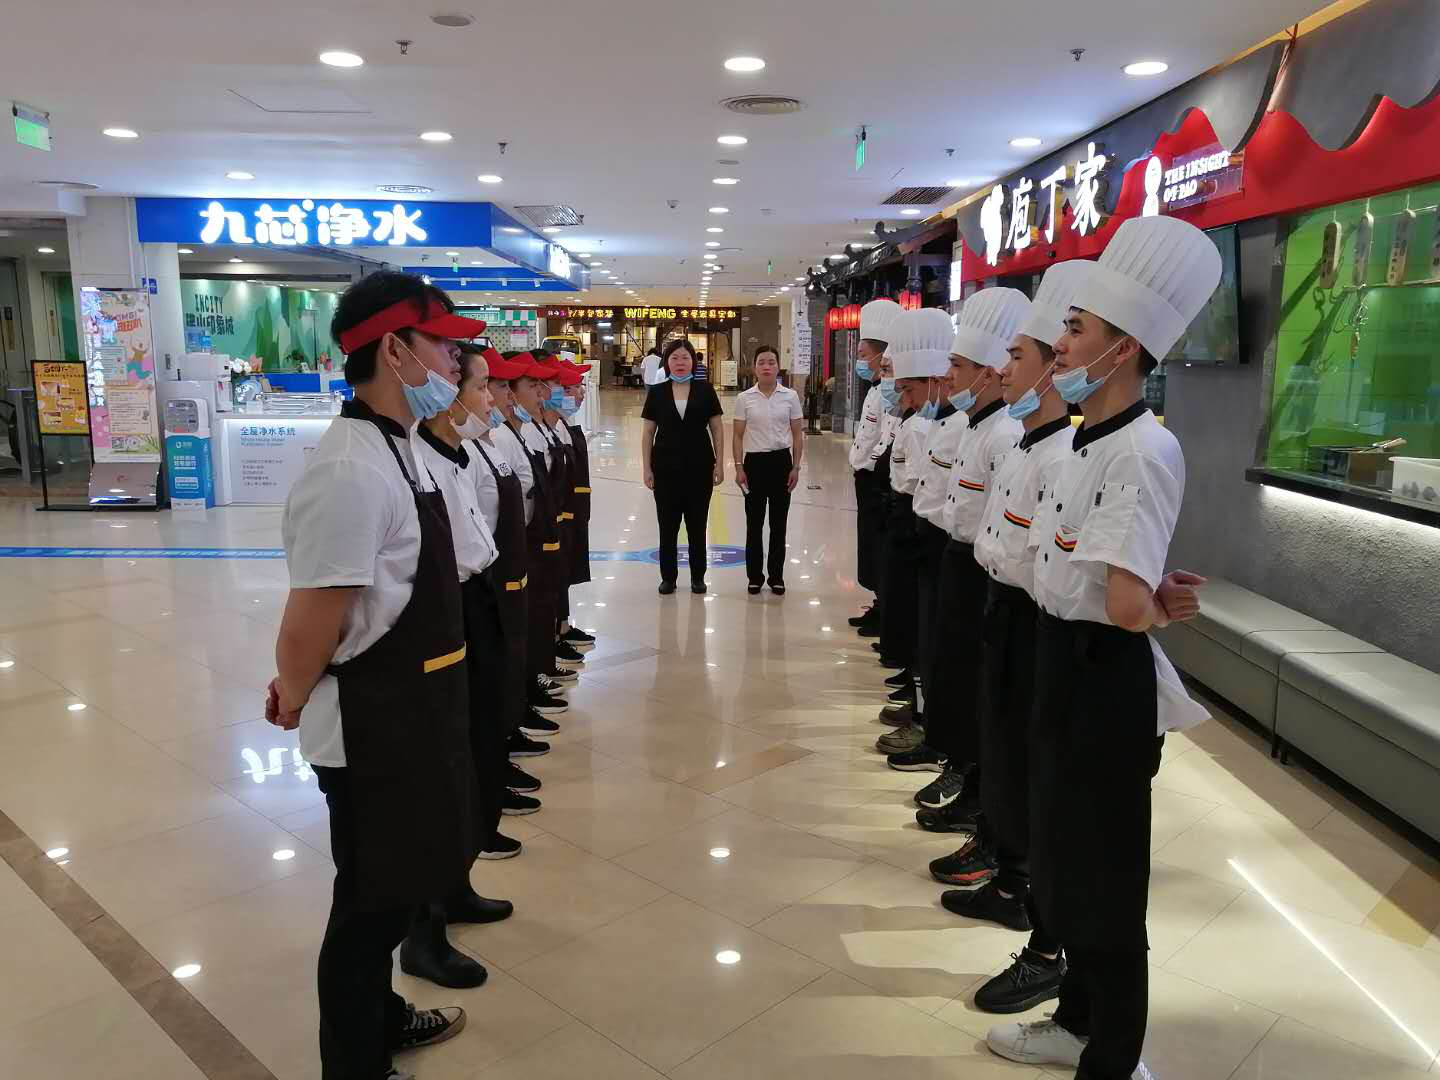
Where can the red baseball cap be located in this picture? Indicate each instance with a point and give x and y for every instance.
(500, 368)
(566, 375)
(582, 368)
(433, 319)
(532, 368)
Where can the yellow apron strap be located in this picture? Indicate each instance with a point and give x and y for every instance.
(445, 661)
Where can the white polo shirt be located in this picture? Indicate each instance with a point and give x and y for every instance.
(937, 457)
(487, 460)
(453, 470)
(767, 419)
(1003, 546)
(510, 445)
(350, 520)
(1114, 503)
(867, 430)
(990, 435)
(535, 441)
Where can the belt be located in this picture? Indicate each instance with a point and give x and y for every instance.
(516, 586)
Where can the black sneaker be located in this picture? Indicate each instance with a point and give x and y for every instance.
(897, 715)
(862, 619)
(958, 817)
(1030, 980)
(903, 695)
(553, 688)
(666, 588)
(753, 590)
(901, 678)
(535, 724)
(546, 705)
(500, 847)
(517, 805)
(697, 587)
(578, 639)
(973, 864)
(563, 675)
(777, 588)
(942, 792)
(566, 657)
(517, 779)
(922, 759)
(987, 905)
(891, 663)
(869, 629)
(426, 1027)
(521, 745)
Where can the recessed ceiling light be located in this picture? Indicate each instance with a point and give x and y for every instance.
(744, 63)
(285, 854)
(732, 140)
(239, 174)
(909, 211)
(1147, 67)
(76, 706)
(510, 229)
(436, 136)
(727, 957)
(405, 189)
(598, 262)
(489, 178)
(726, 180)
(237, 259)
(185, 251)
(552, 228)
(45, 250)
(711, 255)
(477, 262)
(617, 283)
(338, 58)
(585, 255)
(715, 229)
(719, 209)
(57, 853)
(1024, 142)
(185, 971)
(961, 182)
(712, 243)
(784, 288)
(121, 133)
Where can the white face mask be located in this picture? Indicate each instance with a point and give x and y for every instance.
(473, 427)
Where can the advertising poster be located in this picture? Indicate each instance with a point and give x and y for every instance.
(60, 398)
(264, 457)
(120, 373)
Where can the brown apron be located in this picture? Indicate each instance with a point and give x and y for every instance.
(543, 547)
(580, 487)
(508, 575)
(562, 458)
(404, 713)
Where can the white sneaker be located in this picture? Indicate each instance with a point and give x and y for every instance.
(1043, 1042)
(1142, 1073)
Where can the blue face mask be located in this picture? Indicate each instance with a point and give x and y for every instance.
(1028, 402)
(522, 414)
(929, 409)
(865, 371)
(1075, 386)
(568, 407)
(430, 398)
(890, 394)
(681, 378)
(965, 399)
(556, 400)
(496, 418)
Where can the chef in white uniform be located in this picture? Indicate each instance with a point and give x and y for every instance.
(983, 332)
(1004, 550)
(876, 318)
(1105, 693)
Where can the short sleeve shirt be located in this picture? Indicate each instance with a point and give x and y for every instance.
(487, 461)
(936, 459)
(992, 433)
(453, 470)
(906, 453)
(767, 419)
(350, 521)
(1003, 544)
(867, 430)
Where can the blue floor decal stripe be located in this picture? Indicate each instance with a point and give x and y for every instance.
(720, 556)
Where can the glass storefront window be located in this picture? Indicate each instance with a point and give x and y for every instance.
(1357, 355)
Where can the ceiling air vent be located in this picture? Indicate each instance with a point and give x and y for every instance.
(551, 215)
(916, 196)
(763, 104)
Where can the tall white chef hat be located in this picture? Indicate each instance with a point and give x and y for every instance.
(1153, 279)
(986, 326)
(877, 318)
(920, 343)
(1051, 305)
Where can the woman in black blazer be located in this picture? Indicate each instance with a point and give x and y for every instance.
(683, 451)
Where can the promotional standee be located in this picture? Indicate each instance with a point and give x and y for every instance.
(187, 454)
(120, 377)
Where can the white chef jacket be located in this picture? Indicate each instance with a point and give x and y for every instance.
(768, 419)
(350, 520)
(513, 448)
(453, 470)
(1003, 544)
(990, 435)
(906, 454)
(937, 458)
(1114, 503)
(867, 430)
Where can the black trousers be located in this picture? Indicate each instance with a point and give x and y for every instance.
(682, 497)
(900, 573)
(870, 499)
(1105, 996)
(952, 720)
(544, 588)
(360, 1015)
(927, 639)
(769, 477)
(486, 669)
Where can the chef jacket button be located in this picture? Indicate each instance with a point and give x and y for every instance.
(1084, 451)
(1007, 492)
(1047, 556)
(1059, 506)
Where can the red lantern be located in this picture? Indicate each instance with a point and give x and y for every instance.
(852, 317)
(833, 318)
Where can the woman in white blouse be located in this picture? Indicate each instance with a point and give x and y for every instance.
(768, 446)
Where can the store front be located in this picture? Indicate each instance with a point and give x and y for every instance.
(1307, 394)
(618, 338)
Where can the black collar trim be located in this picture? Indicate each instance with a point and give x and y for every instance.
(355, 409)
(454, 454)
(1085, 435)
(946, 411)
(1044, 431)
(988, 411)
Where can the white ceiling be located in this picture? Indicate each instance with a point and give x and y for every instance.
(609, 107)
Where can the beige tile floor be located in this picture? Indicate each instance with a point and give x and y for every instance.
(715, 791)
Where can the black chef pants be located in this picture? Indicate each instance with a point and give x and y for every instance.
(900, 571)
(952, 723)
(932, 551)
(1105, 997)
(682, 497)
(768, 474)
(543, 587)
(486, 668)
(360, 1015)
(870, 499)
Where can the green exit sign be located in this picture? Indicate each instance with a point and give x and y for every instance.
(32, 126)
(859, 149)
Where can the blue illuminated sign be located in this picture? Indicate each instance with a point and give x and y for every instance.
(318, 222)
